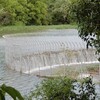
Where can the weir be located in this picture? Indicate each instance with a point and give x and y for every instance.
(51, 56)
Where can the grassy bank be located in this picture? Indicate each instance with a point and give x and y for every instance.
(27, 29)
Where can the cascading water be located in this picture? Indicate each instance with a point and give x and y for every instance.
(50, 56)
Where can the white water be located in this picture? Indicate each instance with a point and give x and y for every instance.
(26, 54)
(55, 66)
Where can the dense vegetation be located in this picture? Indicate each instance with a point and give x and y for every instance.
(87, 14)
(64, 89)
(34, 12)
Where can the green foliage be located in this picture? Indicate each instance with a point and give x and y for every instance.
(40, 12)
(16, 9)
(11, 91)
(59, 10)
(87, 14)
(86, 90)
(34, 12)
(5, 18)
(64, 89)
(23, 11)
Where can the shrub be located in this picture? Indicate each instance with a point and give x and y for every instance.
(5, 18)
(64, 89)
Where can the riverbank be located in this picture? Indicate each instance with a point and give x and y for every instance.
(27, 29)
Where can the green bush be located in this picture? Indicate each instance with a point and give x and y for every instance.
(64, 89)
(35, 12)
(5, 18)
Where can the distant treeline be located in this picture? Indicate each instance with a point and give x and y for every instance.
(34, 12)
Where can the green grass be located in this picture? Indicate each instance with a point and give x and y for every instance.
(27, 29)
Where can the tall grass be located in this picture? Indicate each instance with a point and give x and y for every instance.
(26, 29)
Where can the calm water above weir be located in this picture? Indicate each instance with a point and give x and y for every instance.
(23, 82)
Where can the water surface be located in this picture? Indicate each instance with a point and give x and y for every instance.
(23, 82)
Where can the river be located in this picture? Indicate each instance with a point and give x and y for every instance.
(25, 82)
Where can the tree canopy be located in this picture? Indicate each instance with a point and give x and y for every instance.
(87, 14)
(33, 12)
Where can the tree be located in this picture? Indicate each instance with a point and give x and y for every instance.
(24, 12)
(37, 12)
(87, 14)
(5, 17)
(60, 11)
(15, 10)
